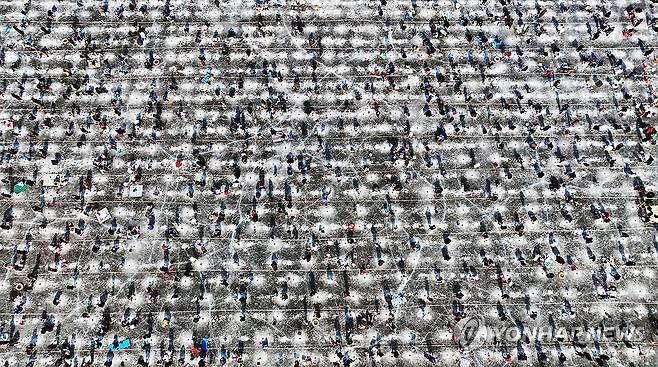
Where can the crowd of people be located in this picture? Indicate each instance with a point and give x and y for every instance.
(327, 183)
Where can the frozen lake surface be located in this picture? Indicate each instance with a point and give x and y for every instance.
(328, 183)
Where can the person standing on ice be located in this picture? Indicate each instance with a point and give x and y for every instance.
(324, 193)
